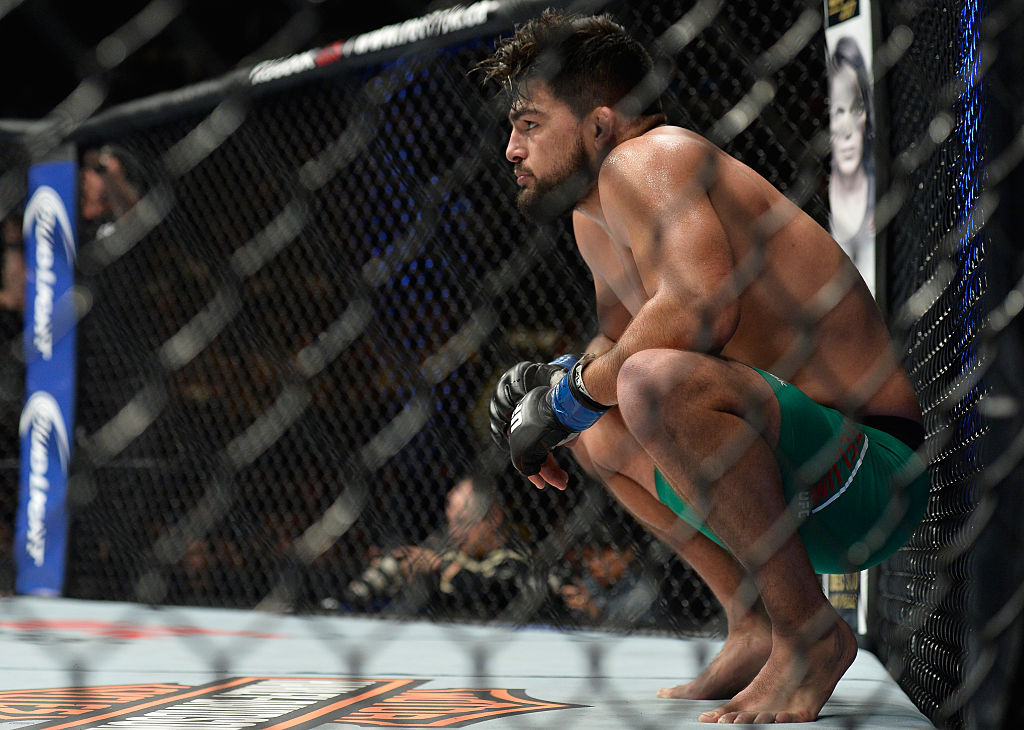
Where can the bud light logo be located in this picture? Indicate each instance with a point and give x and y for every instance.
(47, 420)
(46, 218)
(42, 423)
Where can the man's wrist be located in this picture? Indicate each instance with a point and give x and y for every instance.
(574, 409)
(579, 388)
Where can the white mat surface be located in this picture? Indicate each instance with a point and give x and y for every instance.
(139, 667)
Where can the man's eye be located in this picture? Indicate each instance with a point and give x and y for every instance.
(529, 125)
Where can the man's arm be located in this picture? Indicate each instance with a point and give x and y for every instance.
(666, 239)
(612, 315)
(660, 212)
(598, 253)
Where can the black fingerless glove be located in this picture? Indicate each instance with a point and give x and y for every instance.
(513, 386)
(547, 417)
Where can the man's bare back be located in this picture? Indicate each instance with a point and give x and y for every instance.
(803, 313)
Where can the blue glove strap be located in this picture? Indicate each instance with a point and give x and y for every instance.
(565, 361)
(570, 412)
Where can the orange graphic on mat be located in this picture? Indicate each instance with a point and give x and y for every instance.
(447, 708)
(47, 704)
(368, 702)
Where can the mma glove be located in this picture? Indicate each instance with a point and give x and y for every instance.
(550, 415)
(513, 386)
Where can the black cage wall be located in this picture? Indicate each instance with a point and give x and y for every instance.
(287, 347)
(281, 341)
(948, 624)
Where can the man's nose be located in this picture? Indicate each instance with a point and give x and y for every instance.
(514, 151)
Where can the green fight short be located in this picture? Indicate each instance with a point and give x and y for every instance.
(858, 492)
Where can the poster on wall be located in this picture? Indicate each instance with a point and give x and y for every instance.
(851, 189)
(851, 195)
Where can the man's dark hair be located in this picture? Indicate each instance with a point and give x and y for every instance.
(587, 61)
(484, 494)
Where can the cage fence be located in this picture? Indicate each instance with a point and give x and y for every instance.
(289, 336)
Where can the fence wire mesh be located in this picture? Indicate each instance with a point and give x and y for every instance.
(290, 330)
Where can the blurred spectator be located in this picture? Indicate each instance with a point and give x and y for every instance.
(606, 584)
(12, 385)
(212, 571)
(12, 294)
(473, 570)
(109, 189)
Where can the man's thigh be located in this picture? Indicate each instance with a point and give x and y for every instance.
(684, 393)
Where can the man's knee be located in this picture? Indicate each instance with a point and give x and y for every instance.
(652, 383)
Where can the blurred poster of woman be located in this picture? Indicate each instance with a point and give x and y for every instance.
(851, 192)
(852, 183)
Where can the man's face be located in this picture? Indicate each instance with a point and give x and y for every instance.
(92, 189)
(551, 164)
(460, 509)
(471, 525)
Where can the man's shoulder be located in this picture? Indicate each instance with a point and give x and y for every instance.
(662, 165)
(665, 138)
(674, 150)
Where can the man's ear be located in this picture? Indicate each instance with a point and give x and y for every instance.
(603, 126)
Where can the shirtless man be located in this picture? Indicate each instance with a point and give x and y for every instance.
(743, 379)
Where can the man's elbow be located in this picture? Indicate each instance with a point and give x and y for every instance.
(715, 329)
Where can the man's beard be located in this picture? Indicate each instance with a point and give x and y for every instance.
(558, 193)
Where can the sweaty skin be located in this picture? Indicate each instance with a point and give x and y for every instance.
(701, 267)
(738, 259)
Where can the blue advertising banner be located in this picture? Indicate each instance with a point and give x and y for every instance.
(47, 418)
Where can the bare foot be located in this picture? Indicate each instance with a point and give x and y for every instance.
(745, 651)
(795, 682)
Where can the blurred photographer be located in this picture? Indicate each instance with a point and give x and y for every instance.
(472, 570)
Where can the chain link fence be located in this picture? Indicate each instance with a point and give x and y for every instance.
(288, 342)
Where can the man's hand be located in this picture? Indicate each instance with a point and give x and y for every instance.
(547, 417)
(535, 431)
(450, 571)
(413, 559)
(578, 598)
(513, 386)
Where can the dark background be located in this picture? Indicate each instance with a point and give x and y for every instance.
(48, 46)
